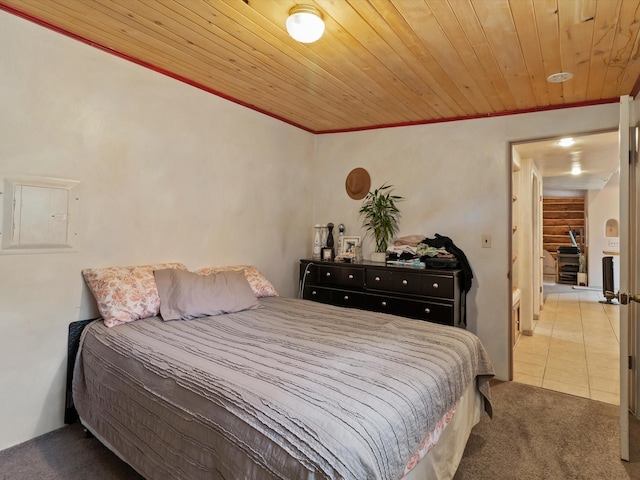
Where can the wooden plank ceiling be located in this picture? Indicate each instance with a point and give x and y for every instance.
(380, 62)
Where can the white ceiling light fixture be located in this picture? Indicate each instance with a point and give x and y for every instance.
(575, 169)
(566, 142)
(559, 77)
(305, 23)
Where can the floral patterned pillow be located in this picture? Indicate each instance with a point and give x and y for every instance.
(259, 284)
(125, 294)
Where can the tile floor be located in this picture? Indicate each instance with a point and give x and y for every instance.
(574, 347)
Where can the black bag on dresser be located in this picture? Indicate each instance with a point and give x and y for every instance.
(460, 260)
(439, 262)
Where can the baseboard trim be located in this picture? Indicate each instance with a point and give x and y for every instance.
(581, 287)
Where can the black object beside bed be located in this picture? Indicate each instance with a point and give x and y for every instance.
(73, 344)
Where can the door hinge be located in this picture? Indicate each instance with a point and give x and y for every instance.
(630, 362)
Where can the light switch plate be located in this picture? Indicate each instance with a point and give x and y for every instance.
(486, 240)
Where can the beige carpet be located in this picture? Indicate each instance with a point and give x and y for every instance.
(541, 434)
(535, 434)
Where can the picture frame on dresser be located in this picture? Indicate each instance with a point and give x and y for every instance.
(349, 244)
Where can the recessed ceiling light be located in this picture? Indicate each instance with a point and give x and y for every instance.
(575, 169)
(559, 77)
(566, 142)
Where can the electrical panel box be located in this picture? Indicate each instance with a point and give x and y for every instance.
(38, 215)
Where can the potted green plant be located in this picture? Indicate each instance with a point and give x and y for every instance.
(380, 218)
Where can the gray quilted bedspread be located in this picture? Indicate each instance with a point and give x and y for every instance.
(291, 390)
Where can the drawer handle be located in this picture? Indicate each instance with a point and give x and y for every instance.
(314, 293)
(346, 297)
(384, 304)
(427, 311)
(435, 285)
(404, 282)
(377, 279)
(350, 277)
(328, 274)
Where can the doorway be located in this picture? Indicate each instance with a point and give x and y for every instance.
(569, 341)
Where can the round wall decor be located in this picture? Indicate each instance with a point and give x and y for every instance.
(358, 183)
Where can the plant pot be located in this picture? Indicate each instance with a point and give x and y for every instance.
(380, 257)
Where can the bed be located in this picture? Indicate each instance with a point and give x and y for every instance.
(288, 389)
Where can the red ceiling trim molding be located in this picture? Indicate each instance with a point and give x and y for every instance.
(472, 117)
(162, 71)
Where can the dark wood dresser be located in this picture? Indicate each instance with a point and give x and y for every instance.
(424, 294)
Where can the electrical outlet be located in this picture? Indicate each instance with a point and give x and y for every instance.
(486, 240)
(613, 242)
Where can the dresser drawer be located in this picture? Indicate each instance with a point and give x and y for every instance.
(406, 282)
(437, 286)
(441, 286)
(378, 279)
(342, 298)
(340, 276)
(352, 277)
(435, 312)
(431, 311)
(385, 304)
(328, 275)
(346, 298)
(317, 294)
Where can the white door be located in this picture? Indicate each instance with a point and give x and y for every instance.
(629, 271)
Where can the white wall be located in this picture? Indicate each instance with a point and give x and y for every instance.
(168, 173)
(456, 179)
(602, 205)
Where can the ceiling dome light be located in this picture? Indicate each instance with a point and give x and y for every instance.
(559, 77)
(566, 142)
(305, 24)
(575, 169)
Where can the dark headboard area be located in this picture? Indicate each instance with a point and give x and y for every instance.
(73, 343)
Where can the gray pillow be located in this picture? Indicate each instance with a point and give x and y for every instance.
(185, 295)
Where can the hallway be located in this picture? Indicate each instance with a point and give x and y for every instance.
(574, 348)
